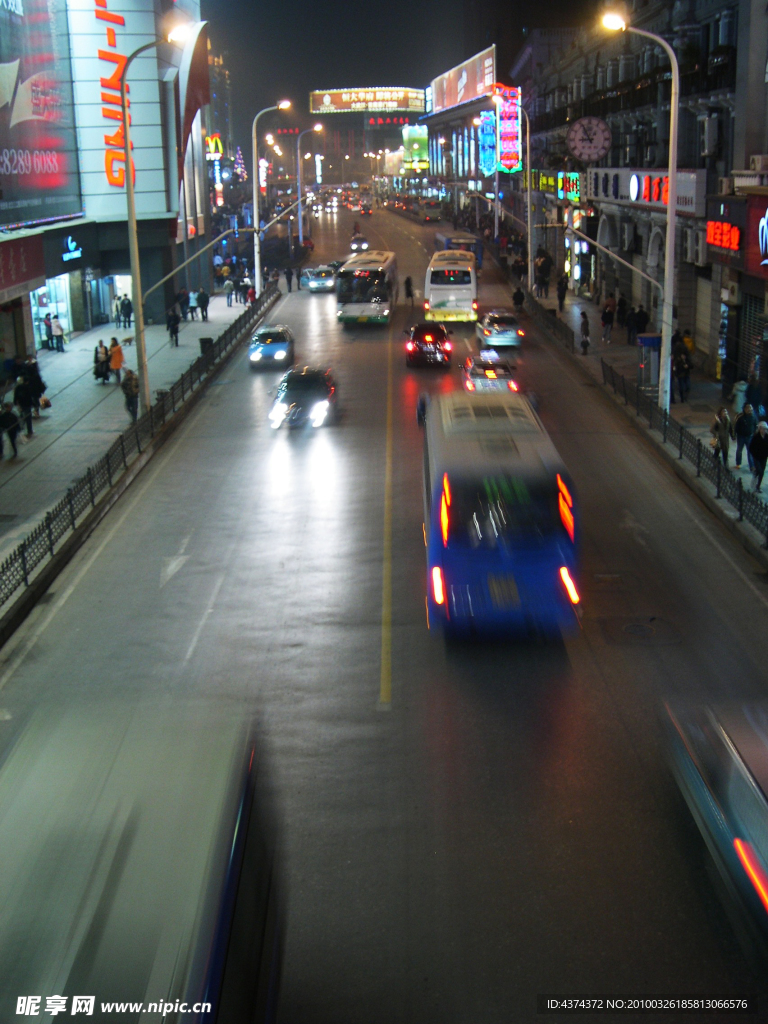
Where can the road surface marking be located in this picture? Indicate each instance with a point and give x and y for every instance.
(385, 684)
(204, 619)
(172, 565)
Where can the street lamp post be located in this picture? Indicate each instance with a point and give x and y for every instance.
(616, 22)
(529, 212)
(307, 131)
(282, 105)
(176, 36)
(498, 101)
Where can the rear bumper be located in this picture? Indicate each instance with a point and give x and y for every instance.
(443, 316)
(469, 609)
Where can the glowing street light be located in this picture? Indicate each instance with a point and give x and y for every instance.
(282, 105)
(307, 131)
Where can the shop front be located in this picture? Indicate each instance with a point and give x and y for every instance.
(22, 269)
(71, 289)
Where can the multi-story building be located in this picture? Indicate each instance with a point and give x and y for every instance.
(63, 219)
(218, 113)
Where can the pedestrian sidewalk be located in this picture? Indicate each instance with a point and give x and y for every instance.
(86, 416)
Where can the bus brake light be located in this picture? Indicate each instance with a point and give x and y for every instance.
(474, 304)
(426, 303)
(752, 867)
(438, 590)
(566, 515)
(571, 590)
(447, 488)
(564, 491)
(444, 520)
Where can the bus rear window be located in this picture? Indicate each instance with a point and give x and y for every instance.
(451, 277)
(499, 510)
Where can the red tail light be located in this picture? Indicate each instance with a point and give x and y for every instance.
(448, 346)
(486, 332)
(751, 865)
(474, 303)
(470, 385)
(570, 588)
(409, 346)
(566, 515)
(511, 385)
(447, 488)
(438, 589)
(426, 303)
(564, 491)
(521, 334)
(427, 337)
(491, 374)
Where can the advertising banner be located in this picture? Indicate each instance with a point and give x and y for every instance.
(38, 153)
(467, 81)
(415, 143)
(510, 153)
(369, 101)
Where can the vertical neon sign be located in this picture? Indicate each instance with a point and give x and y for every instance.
(510, 149)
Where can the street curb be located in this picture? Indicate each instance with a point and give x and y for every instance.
(24, 604)
(751, 544)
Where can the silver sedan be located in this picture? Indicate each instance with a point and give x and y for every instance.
(499, 328)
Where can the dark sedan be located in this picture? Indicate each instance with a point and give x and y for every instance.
(305, 397)
(428, 345)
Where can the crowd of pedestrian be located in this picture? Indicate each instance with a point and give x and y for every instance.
(27, 401)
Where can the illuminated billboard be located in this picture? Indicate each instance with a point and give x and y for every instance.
(367, 101)
(39, 178)
(510, 151)
(468, 81)
(415, 147)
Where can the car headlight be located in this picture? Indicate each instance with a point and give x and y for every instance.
(365, 245)
(313, 284)
(277, 414)
(318, 413)
(281, 354)
(255, 356)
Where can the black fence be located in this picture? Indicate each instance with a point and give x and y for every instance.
(17, 570)
(751, 508)
(549, 321)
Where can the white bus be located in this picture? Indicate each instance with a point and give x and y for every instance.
(367, 288)
(450, 289)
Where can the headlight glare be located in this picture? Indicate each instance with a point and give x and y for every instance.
(319, 412)
(256, 356)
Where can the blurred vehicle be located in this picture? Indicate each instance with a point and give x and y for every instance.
(272, 346)
(331, 204)
(499, 328)
(450, 287)
(460, 240)
(481, 373)
(428, 345)
(305, 397)
(323, 279)
(354, 205)
(366, 205)
(500, 518)
(367, 288)
(719, 756)
(359, 243)
(429, 210)
(335, 265)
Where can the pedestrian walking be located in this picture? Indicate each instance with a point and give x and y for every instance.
(610, 303)
(584, 333)
(758, 449)
(36, 383)
(744, 427)
(288, 277)
(681, 369)
(738, 395)
(250, 296)
(117, 313)
(48, 342)
(202, 303)
(562, 291)
(630, 322)
(24, 400)
(641, 319)
(193, 304)
(116, 358)
(754, 395)
(101, 362)
(130, 386)
(228, 289)
(172, 322)
(9, 424)
(58, 334)
(298, 279)
(621, 311)
(518, 298)
(722, 432)
(607, 321)
(126, 311)
(408, 284)
(182, 301)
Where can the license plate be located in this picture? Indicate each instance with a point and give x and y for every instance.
(429, 348)
(362, 319)
(503, 591)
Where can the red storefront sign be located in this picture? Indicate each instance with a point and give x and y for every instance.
(22, 262)
(723, 235)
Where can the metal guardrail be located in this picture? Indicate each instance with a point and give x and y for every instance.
(41, 544)
(549, 320)
(751, 508)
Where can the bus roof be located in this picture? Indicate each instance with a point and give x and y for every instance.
(373, 259)
(470, 434)
(453, 258)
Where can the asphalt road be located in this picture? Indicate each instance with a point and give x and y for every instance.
(464, 826)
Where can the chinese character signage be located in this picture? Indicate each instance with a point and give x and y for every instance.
(475, 77)
(22, 266)
(727, 230)
(510, 155)
(486, 141)
(39, 178)
(370, 101)
(648, 189)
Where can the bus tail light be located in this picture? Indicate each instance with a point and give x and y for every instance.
(426, 303)
(570, 588)
(438, 589)
(474, 304)
(752, 867)
(511, 385)
(566, 515)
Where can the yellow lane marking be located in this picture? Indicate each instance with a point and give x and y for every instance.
(385, 684)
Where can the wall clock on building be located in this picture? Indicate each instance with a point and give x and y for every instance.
(588, 139)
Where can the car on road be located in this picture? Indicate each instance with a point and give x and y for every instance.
(323, 279)
(306, 396)
(335, 265)
(272, 346)
(499, 328)
(482, 373)
(359, 243)
(428, 345)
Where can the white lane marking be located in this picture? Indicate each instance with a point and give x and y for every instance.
(26, 646)
(631, 525)
(743, 576)
(204, 619)
(468, 344)
(172, 565)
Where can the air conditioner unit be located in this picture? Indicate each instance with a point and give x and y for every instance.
(759, 163)
(708, 135)
(725, 186)
(700, 248)
(627, 236)
(689, 245)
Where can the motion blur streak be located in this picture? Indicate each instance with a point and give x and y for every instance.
(437, 585)
(753, 869)
(385, 684)
(573, 593)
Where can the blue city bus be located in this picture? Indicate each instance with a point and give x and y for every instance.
(461, 240)
(500, 519)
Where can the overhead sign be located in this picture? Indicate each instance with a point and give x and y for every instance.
(648, 189)
(369, 101)
(39, 178)
(468, 81)
(415, 148)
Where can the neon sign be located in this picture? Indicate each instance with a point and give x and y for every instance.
(486, 138)
(213, 147)
(510, 151)
(724, 236)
